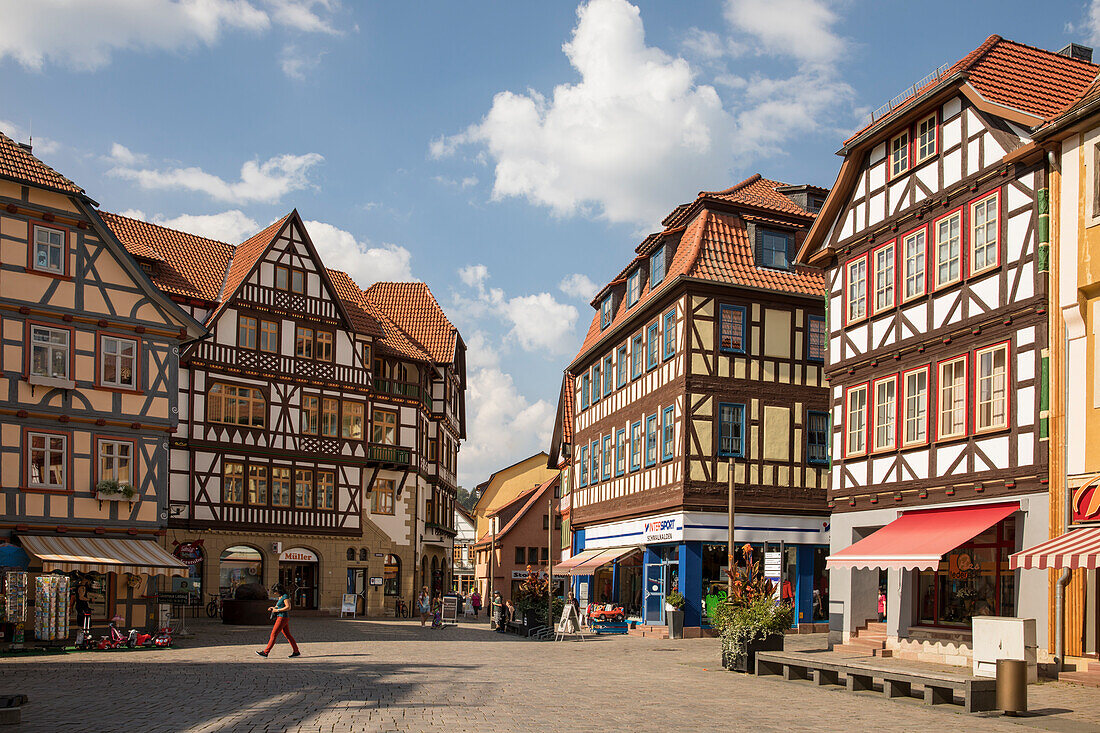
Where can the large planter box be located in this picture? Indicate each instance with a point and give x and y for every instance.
(247, 612)
(675, 620)
(743, 658)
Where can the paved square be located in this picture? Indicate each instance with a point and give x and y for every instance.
(395, 676)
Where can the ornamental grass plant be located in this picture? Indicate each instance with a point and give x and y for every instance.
(752, 612)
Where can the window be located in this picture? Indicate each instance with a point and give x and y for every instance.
(773, 249)
(899, 155)
(817, 338)
(49, 352)
(657, 267)
(636, 357)
(636, 446)
(280, 486)
(233, 482)
(605, 311)
(952, 404)
(323, 346)
(620, 366)
(544, 552)
(232, 405)
(594, 469)
(585, 381)
(282, 277)
(326, 490)
(634, 287)
(532, 556)
(383, 500)
(47, 461)
(303, 343)
(246, 332)
(855, 288)
(597, 382)
(521, 555)
(817, 437)
(269, 336)
(385, 427)
(608, 376)
(257, 485)
(972, 579)
(115, 461)
(731, 324)
(330, 417)
(303, 489)
(884, 277)
(297, 281)
(49, 250)
(914, 246)
(668, 432)
(915, 400)
(584, 466)
(311, 419)
(948, 248)
(653, 346)
(352, 426)
(670, 333)
(651, 436)
(118, 365)
(925, 139)
(366, 356)
(620, 451)
(391, 576)
(886, 405)
(731, 429)
(855, 426)
(984, 234)
(606, 457)
(991, 408)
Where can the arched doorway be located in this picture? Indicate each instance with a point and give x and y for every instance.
(237, 566)
(299, 573)
(391, 576)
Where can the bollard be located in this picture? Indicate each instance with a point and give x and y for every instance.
(1012, 686)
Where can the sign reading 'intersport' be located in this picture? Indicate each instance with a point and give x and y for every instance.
(663, 530)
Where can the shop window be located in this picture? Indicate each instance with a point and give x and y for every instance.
(118, 362)
(974, 579)
(239, 565)
(391, 576)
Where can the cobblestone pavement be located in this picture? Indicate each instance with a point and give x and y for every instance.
(395, 676)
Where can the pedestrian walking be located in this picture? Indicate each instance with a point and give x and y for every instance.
(424, 605)
(475, 601)
(280, 612)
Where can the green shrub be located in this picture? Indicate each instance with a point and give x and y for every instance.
(752, 612)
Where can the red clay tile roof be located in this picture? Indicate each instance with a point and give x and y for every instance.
(569, 398)
(416, 312)
(18, 163)
(188, 265)
(353, 297)
(760, 192)
(248, 253)
(1012, 74)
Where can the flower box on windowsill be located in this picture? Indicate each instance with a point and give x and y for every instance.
(43, 381)
(102, 496)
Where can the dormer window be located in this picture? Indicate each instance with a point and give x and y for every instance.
(657, 267)
(899, 155)
(605, 311)
(634, 287)
(773, 249)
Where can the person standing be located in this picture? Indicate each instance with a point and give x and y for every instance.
(281, 611)
(424, 605)
(497, 610)
(83, 604)
(475, 601)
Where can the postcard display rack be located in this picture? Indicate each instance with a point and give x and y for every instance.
(51, 607)
(14, 600)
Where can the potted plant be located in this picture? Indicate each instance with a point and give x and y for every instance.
(111, 490)
(752, 619)
(674, 614)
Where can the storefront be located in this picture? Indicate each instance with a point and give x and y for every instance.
(686, 552)
(298, 574)
(193, 556)
(239, 565)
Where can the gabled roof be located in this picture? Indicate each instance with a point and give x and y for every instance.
(19, 164)
(187, 265)
(528, 499)
(248, 253)
(563, 421)
(353, 297)
(416, 312)
(395, 341)
(759, 192)
(1083, 106)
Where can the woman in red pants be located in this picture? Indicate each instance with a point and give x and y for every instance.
(281, 609)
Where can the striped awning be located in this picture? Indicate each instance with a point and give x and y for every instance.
(601, 558)
(570, 563)
(102, 555)
(1078, 548)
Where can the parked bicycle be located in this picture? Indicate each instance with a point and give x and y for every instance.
(214, 607)
(400, 609)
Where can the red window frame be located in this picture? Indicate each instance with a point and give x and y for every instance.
(927, 228)
(67, 250)
(27, 346)
(848, 320)
(1007, 346)
(100, 438)
(966, 397)
(934, 260)
(25, 447)
(903, 395)
(872, 280)
(970, 271)
(99, 362)
(872, 408)
(866, 407)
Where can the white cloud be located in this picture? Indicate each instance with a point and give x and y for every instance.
(366, 263)
(465, 183)
(42, 145)
(84, 35)
(503, 425)
(1089, 25)
(229, 226)
(481, 352)
(578, 285)
(295, 62)
(264, 182)
(801, 29)
(121, 155)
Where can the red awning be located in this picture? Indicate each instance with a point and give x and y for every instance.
(1078, 548)
(577, 559)
(918, 540)
(597, 561)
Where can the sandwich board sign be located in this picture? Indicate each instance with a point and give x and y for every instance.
(347, 604)
(568, 623)
(450, 609)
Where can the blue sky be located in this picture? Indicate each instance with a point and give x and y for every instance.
(509, 154)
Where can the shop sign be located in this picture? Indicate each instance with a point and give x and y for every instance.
(961, 566)
(1085, 502)
(376, 581)
(189, 553)
(297, 554)
(524, 575)
(667, 529)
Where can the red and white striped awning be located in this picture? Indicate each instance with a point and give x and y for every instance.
(1078, 548)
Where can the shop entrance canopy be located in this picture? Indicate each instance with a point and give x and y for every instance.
(594, 562)
(570, 563)
(1078, 548)
(102, 555)
(919, 540)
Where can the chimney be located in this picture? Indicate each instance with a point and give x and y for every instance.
(25, 146)
(1077, 51)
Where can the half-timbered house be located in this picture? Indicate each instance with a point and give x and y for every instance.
(88, 392)
(704, 356)
(935, 243)
(302, 455)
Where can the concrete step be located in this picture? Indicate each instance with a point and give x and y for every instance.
(863, 651)
(872, 642)
(876, 627)
(1090, 678)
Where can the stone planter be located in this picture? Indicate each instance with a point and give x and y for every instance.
(247, 612)
(675, 620)
(742, 658)
(114, 497)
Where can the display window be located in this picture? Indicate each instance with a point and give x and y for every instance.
(237, 566)
(391, 576)
(974, 579)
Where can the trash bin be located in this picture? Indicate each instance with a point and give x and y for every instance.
(1012, 686)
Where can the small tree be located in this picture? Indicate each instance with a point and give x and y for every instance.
(752, 612)
(530, 599)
